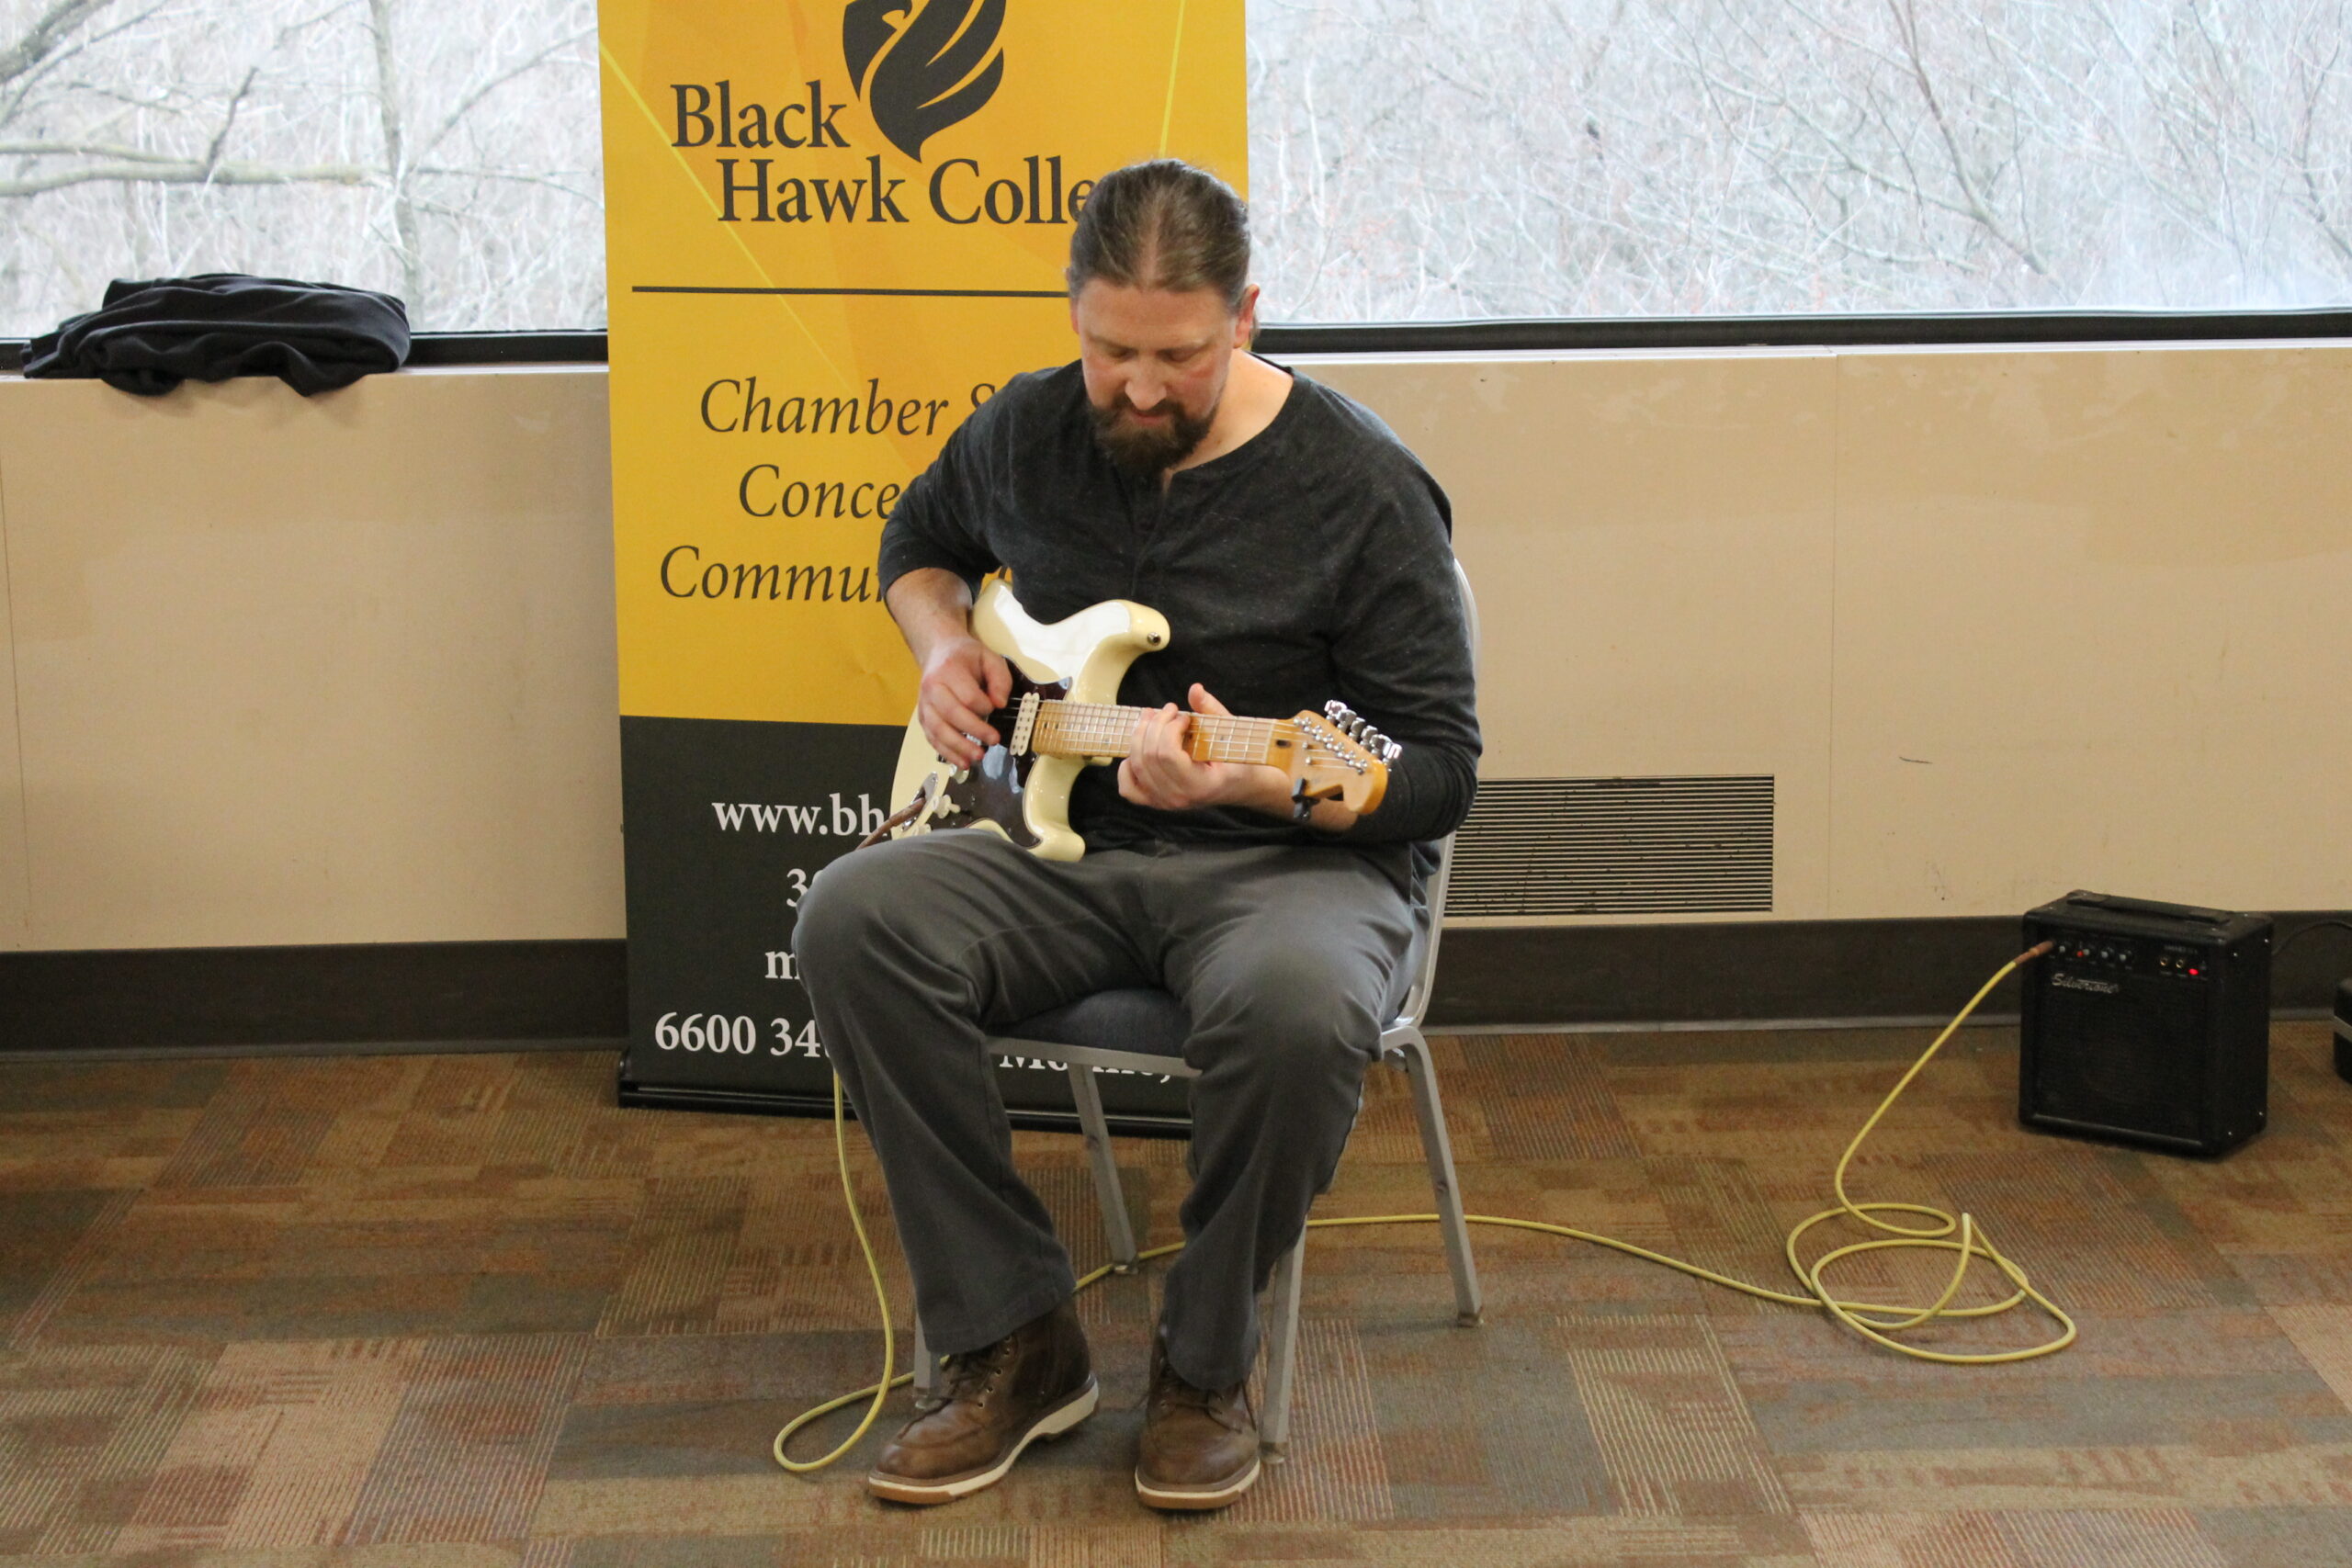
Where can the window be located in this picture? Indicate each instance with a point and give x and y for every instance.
(1410, 160)
(447, 154)
(1418, 160)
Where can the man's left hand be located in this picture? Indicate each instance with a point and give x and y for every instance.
(1162, 775)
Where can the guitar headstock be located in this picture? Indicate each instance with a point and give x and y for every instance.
(1342, 758)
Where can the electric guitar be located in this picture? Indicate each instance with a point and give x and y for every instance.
(1064, 714)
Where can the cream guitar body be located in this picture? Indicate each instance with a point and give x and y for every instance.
(1064, 714)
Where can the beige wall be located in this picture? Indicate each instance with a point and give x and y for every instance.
(288, 671)
(1999, 623)
(1650, 541)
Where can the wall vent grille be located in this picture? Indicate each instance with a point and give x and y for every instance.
(1633, 846)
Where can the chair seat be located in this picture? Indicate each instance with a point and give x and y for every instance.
(1143, 1019)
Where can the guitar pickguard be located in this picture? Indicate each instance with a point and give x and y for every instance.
(990, 792)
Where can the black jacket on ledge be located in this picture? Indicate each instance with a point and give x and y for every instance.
(149, 337)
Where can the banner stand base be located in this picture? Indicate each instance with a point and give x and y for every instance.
(740, 1103)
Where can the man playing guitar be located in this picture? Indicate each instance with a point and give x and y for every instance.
(1299, 554)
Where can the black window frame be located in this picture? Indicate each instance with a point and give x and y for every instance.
(1572, 334)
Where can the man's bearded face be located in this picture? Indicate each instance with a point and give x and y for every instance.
(1145, 442)
(1156, 362)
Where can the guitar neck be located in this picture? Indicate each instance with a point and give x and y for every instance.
(1108, 729)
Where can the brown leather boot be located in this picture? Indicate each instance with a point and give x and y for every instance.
(1200, 1446)
(992, 1403)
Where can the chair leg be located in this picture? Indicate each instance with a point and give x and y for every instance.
(1113, 1197)
(1282, 1350)
(1437, 1149)
(926, 1365)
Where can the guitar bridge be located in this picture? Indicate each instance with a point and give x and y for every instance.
(1024, 720)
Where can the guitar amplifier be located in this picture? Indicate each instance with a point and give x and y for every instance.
(2343, 1032)
(2147, 1022)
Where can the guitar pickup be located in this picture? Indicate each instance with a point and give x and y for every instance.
(1024, 720)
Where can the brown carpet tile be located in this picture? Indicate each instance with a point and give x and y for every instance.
(461, 1311)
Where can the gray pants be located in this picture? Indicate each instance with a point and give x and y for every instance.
(1288, 960)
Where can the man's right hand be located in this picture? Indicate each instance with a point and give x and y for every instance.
(963, 680)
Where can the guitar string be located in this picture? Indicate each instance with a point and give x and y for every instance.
(1232, 734)
(1084, 725)
(1081, 725)
(1119, 739)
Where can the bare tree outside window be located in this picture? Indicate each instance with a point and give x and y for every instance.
(1410, 160)
(1413, 160)
(446, 153)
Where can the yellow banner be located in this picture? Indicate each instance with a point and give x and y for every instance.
(833, 229)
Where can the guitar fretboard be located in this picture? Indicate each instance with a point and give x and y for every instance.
(1108, 729)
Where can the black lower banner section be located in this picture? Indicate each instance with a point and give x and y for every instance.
(727, 822)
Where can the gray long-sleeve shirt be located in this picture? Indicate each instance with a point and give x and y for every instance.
(1313, 561)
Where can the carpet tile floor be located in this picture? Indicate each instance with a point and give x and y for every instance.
(461, 1311)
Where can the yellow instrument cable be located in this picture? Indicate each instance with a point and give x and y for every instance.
(1874, 1321)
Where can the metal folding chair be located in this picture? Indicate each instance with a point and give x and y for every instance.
(1149, 1027)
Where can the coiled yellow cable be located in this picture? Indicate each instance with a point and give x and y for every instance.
(1874, 1321)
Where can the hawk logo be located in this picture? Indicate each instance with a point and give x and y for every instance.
(922, 65)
